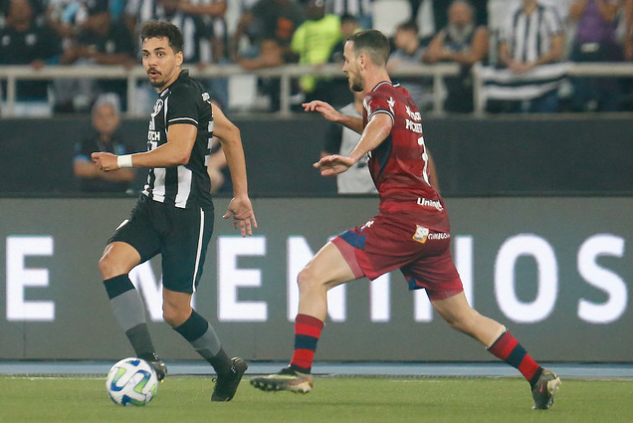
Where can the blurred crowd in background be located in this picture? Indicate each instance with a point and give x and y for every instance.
(521, 37)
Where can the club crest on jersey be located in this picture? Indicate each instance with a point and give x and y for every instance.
(157, 107)
(421, 234)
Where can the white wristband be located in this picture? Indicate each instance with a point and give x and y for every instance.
(124, 161)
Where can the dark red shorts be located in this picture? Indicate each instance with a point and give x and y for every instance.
(397, 241)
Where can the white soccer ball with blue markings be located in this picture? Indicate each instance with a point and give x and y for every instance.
(132, 381)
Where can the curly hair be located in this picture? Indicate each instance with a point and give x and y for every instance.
(160, 29)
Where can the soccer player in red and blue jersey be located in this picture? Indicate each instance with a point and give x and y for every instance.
(410, 233)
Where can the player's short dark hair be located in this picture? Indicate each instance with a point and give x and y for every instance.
(373, 43)
(160, 29)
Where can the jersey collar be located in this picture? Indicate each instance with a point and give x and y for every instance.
(183, 74)
(381, 83)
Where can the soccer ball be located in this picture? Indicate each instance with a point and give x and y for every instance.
(131, 381)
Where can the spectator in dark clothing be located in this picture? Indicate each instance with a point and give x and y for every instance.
(276, 19)
(23, 42)
(338, 92)
(102, 41)
(349, 25)
(464, 43)
(105, 137)
(68, 17)
(409, 50)
(270, 55)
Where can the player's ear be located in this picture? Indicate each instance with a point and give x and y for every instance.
(180, 58)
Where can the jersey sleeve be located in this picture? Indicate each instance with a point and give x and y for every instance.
(182, 107)
(377, 102)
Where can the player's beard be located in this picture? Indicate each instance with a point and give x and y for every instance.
(156, 82)
(356, 84)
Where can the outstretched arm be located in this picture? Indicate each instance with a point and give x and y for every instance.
(376, 131)
(176, 151)
(240, 207)
(330, 113)
(88, 170)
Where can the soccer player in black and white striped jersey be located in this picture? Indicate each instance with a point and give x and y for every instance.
(174, 215)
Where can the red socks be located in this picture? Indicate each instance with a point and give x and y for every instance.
(508, 349)
(307, 333)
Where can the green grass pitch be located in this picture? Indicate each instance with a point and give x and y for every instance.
(334, 399)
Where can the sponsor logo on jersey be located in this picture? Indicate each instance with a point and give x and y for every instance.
(421, 234)
(430, 203)
(391, 102)
(438, 236)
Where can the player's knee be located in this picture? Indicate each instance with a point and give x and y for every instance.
(171, 316)
(307, 280)
(109, 268)
(175, 316)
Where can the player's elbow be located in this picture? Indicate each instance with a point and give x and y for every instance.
(181, 159)
(234, 133)
(231, 136)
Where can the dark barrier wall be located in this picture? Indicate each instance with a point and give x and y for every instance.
(556, 271)
(495, 156)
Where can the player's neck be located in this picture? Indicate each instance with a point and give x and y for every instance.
(171, 80)
(376, 78)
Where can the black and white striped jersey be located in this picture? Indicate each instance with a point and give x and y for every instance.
(185, 101)
(197, 30)
(529, 36)
(355, 8)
